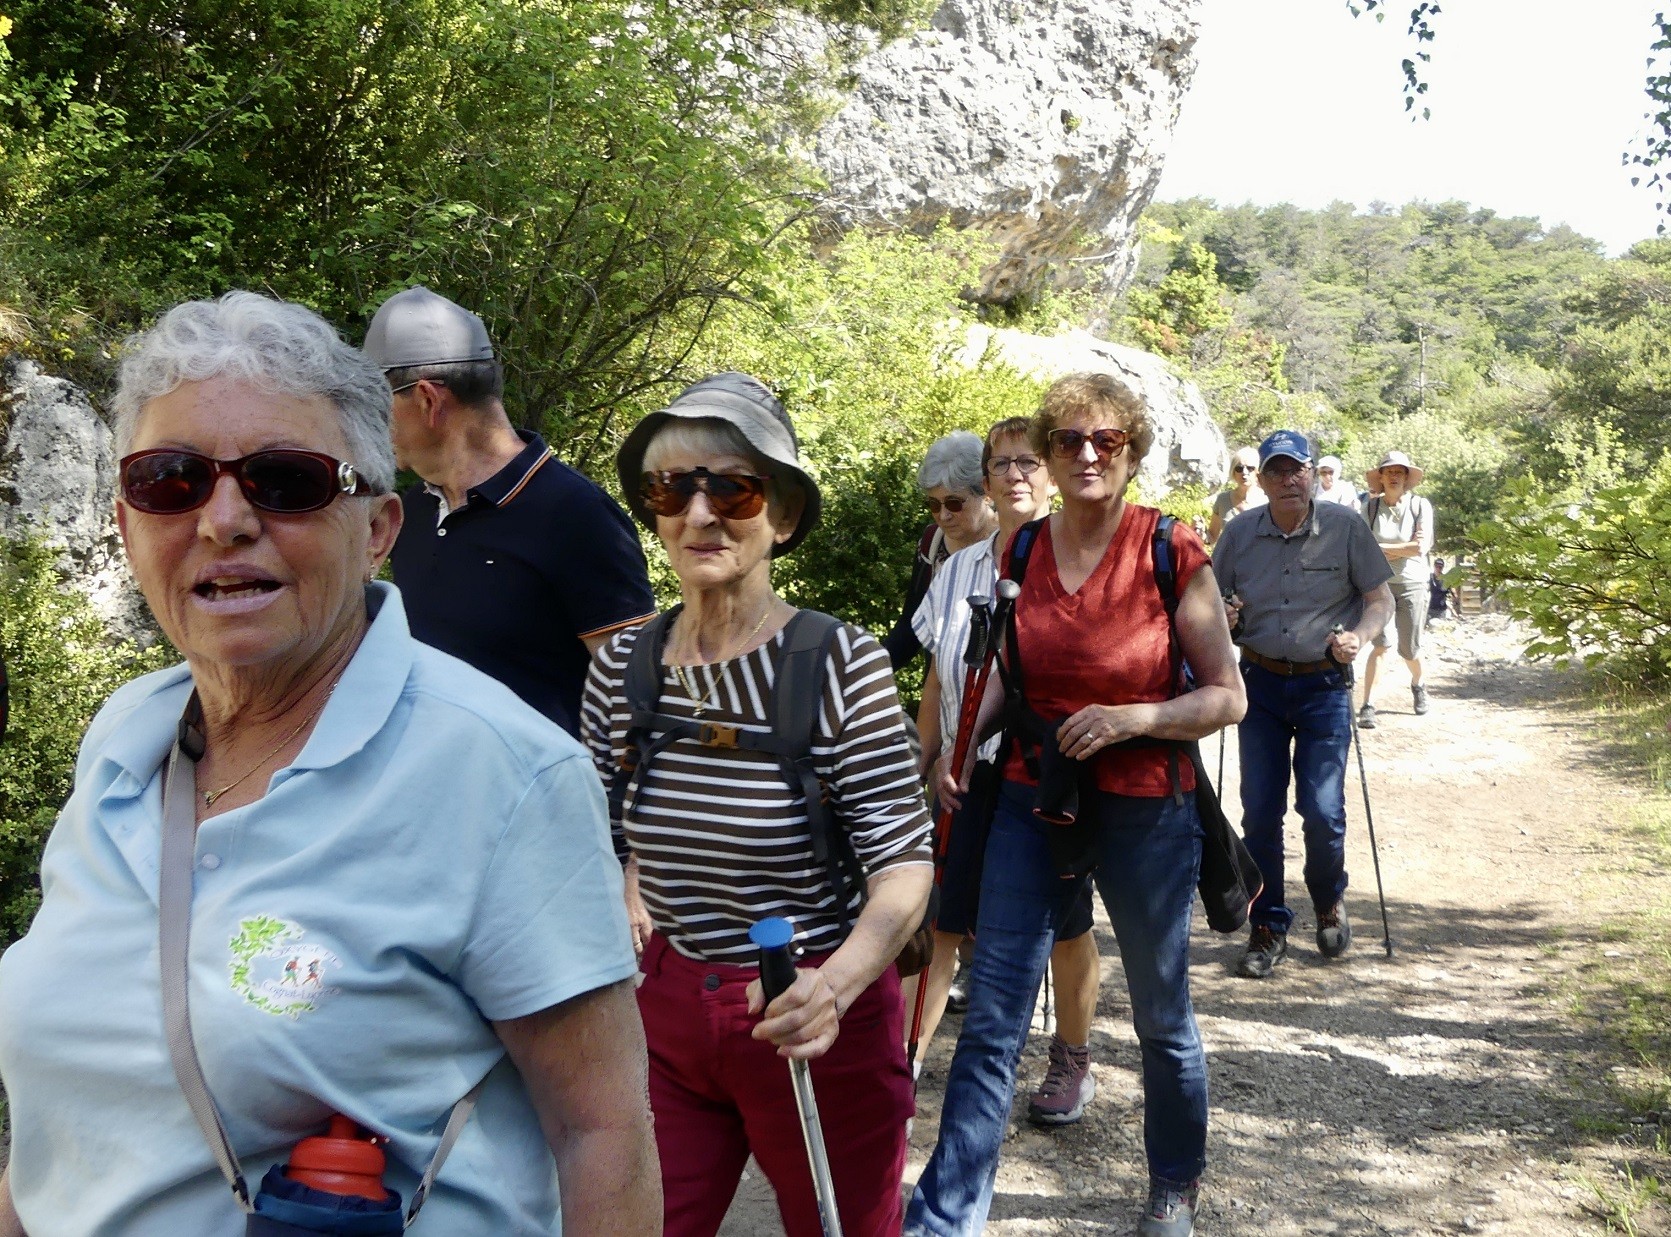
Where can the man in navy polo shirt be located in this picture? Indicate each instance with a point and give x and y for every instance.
(508, 558)
(1306, 592)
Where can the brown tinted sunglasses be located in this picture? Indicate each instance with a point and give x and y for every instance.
(731, 495)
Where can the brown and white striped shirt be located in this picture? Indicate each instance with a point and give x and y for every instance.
(721, 838)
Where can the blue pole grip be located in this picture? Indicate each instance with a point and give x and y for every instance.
(777, 968)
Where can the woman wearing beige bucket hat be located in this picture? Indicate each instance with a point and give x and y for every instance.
(1402, 522)
(725, 818)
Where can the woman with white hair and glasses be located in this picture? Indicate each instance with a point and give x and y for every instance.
(341, 838)
(961, 515)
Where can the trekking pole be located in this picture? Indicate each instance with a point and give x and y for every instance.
(1229, 595)
(777, 975)
(1049, 1004)
(974, 686)
(1348, 674)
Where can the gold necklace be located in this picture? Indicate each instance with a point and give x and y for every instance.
(209, 796)
(687, 674)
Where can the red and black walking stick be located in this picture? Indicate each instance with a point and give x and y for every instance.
(986, 629)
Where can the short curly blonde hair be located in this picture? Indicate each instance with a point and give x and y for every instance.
(1094, 397)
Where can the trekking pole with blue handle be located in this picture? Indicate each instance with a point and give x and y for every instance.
(1350, 678)
(777, 975)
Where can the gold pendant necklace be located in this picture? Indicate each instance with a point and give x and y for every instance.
(209, 796)
(687, 674)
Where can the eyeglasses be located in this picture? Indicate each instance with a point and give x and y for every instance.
(1065, 444)
(169, 481)
(1026, 465)
(1245, 468)
(953, 505)
(731, 495)
(1285, 474)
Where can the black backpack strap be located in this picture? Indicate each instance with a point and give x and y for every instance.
(641, 686)
(1166, 580)
(797, 697)
(1020, 722)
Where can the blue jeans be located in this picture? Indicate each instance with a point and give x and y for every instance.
(1148, 855)
(1303, 722)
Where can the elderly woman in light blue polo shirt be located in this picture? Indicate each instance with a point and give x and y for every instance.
(398, 877)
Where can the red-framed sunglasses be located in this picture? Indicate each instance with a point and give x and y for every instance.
(731, 495)
(1065, 444)
(285, 481)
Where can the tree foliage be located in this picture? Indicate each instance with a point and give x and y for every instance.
(62, 666)
(1588, 563)
(591, 176)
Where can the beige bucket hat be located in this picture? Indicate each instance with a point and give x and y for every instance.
(1394, 459)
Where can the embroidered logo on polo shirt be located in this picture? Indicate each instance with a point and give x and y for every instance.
(277, 971)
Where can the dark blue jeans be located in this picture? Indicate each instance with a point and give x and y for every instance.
(1304, 723)
(1149, 852)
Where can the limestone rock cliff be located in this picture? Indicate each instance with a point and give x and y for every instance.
(1189, 449)
(58, 482)
(1044, 122)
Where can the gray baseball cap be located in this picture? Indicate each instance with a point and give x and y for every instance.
(741, 401)
(420, 327)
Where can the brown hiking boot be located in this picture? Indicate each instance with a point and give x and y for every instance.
(1265, 948)
(1334, 931)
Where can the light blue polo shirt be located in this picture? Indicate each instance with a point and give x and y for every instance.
(437, 855)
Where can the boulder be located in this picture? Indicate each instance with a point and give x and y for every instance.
(1189, 449)
(58, 482)
(1043, 122)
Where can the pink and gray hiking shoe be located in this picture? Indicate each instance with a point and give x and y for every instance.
(1067, 1086)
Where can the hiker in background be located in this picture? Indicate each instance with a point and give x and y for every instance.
(1022, 490)
(1331, 487)
(509, 559)
(960, 514)
(1239, 496)
(356, 800)
(721, 841)
(1294, 572)
(1085, 695)
(1402, 522)
(1438, 595)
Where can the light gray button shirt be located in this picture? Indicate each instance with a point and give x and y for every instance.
(1296, 586)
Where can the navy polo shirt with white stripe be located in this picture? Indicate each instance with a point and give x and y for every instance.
(538, 558)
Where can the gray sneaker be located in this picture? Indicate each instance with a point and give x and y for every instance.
(1366, 717)
(1419, 692)
(1067, 1086)
(1265, 948)
(1171, 1209)
(1334, 931)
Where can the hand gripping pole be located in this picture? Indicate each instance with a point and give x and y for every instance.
(777, 976)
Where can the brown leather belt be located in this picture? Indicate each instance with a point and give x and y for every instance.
(1289, 668)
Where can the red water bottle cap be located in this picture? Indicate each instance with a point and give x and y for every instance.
(340, 1161)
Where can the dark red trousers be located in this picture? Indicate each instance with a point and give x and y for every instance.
(719, 1095)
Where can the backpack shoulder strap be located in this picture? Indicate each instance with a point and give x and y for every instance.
(797, 696)
(641, 688)
(1166, 571)
(1021, 549)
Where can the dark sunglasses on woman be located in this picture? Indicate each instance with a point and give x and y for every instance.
(1065, 444)
(285, 481)
(731, 495)
(954, 505)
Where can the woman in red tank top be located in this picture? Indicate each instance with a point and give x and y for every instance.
(1094, 651)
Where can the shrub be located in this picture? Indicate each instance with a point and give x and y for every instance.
(1589, 565)
(63, 665)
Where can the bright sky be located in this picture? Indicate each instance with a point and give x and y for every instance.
(1533, 103)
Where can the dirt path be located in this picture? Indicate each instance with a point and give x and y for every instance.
(1448, 1090)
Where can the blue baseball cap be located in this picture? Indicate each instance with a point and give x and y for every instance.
(1291, 443)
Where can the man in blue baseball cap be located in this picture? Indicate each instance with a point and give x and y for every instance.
(1293, 572)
